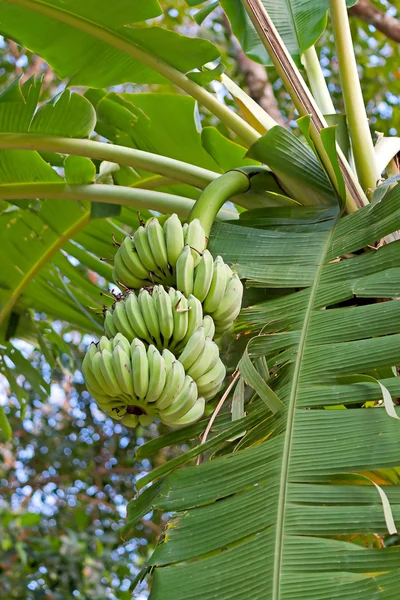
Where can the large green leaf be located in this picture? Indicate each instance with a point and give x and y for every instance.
(94, 43)
(273, 518)
(299, 22)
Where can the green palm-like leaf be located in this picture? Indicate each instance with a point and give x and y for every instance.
(270, 519)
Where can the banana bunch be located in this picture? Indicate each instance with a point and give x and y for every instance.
(176, 255)
(151, 256)
(135, 385)
(165, 319)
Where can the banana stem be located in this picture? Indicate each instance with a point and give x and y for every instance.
(317, 81)
(216, 194)
(112, 194)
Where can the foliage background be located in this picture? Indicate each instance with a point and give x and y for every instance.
(69, 472)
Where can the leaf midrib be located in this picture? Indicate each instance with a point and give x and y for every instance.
(289, 429)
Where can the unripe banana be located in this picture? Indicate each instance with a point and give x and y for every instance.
(211, 382)
(155, 235)
(183, 402)
(123, 370)
(231, 301)
(184, 272)
(122, 275)
(120, 340)
(109, 328)
(104, 344)
(174, 238)
(97, 369)
(87, 370)
(130, 420)
(131, 259)
(209, 326)
(185, 227)
(217, 288)
(193, 348)
(194, 414)
(150, 315)
(203, 275)
(196, 239)
(195, 317)
(135, 317)
(173, 385)
(145, 420)
(144, 251)
(205, 361)
(162, 303)
(180, 313)
(140, 368)
(157, 374)
(121, 321)
(106, 366)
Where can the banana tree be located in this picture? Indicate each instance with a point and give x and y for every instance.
(290, 464)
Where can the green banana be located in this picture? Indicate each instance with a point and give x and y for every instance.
(130, 420)
(203, 275)
(183, 402)
(173, 238)
(205, 361)
(107, 368)
(195, 317)
(155, 236)
(120, 340)
(145, 420)
(140, 368)
(232, 300)
(217, 288)
(121, 321)
(162, 303)
(196, 239)
(193, 415)
(104, 344)
(173, 385)
(109, 328)
(193, 348)
(184, 271)
(211, 382)
(87, 370)
(157, 374)
(123, 370)
(131, 259)
(97, 370)
(150, 316)
(209, 326)
(180, 313)
(144, 251)
(135, 317)
(122, 275)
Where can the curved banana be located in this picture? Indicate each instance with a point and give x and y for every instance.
(130, 420)
(231, 301)
(123, 370)
(155, 236)
(135, 317)
(120, 340)
(97, 370)
(144, 251)
(104, 344)
(211, 382)
(163, 306)
(217, 287)
(145, 420)
(131, 259)
(203, 275)
(109, 328)
(121, 321)
(193, 348)
(157, 374)
(150, 316)
(196, 239)
(184, 271)
(193, 415)
(107, 368)
(209, 326)
(180, 313)
(195, 317)
(173, 385)
(140, 368)
(205, 361)
(183, 402)
(174, 239)
(121, 274)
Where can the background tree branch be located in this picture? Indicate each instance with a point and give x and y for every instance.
(385, 23)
